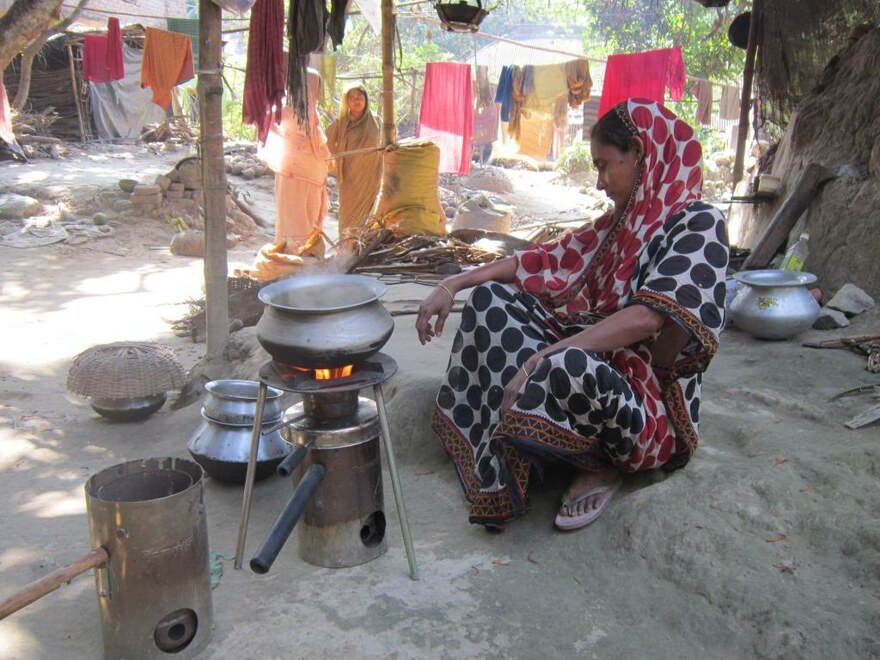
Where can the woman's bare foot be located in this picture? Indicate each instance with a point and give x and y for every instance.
(586, 498)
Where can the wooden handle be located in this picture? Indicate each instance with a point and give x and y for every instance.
(39, 588)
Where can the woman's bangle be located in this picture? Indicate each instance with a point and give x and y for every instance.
(444, 287)
(523, 369)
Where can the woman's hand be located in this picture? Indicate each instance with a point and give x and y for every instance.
(515, 384)
(439, 304)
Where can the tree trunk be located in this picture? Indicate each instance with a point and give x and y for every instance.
(27, 57)
(27, 65)
(25, 21)
(214, 180)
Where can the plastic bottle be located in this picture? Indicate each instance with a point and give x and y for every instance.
(796, 255)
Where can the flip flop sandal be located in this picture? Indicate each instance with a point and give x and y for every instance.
(568, 523)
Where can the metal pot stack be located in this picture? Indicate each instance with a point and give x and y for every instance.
(222, 441)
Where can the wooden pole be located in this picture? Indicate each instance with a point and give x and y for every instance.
(213, 179)
(389, 132)
(39, 588)
(746, 101)
(76, 97)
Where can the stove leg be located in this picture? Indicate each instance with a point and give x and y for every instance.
(395, 483)
(249, 475)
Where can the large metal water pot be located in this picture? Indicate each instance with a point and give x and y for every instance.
(774, 304)
(324, 321)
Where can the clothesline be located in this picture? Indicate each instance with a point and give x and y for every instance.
(113, 12)
(495, 37)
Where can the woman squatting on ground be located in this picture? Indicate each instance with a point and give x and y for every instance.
(589, 349)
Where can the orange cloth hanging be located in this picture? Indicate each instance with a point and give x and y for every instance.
(168, 61)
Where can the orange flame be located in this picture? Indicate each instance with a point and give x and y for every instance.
(330, 374)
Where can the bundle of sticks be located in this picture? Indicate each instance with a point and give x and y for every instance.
(173, 128)
(379, 250)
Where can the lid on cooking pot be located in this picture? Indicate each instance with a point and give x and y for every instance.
(322, 293)
(771, 277)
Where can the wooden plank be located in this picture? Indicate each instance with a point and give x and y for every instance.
(794, 205)
(869, 416)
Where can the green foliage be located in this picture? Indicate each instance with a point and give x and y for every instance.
(636, 25)
(576, 159)
(233, 88)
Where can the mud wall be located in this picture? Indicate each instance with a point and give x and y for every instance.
(837, 125)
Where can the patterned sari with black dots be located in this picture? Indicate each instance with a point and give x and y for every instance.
(668, 251)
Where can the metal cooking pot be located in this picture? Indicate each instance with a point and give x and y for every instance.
(324, 321)
(235, 402)
(774, 304)
(223, 450)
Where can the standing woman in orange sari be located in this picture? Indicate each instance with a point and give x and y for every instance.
(297, 153)
(357, 176)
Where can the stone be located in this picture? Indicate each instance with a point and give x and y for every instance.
(830, 319)
(190, 174)
(147, 200)
(188, 244)
(146, 190)
(18, 206)
(163, 182)
(174, 194)
(176, 185)
(851, 300)
(127, 185)
(122, 205)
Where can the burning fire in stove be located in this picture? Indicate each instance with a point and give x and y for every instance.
(289, 371)
(330, 374)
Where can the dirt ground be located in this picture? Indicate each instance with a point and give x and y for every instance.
(766, 545)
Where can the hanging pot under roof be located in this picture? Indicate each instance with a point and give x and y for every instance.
(461, 16)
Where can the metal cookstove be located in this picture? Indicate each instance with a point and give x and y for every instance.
(336, 466)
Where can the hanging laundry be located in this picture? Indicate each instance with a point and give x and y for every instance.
(702, 91)
(547, 85)
(644, 75)
(6, 133)
(485, 125)
(446, 116)
(729, 106)
(306, 33)
(168, 61)
(325, 64)
(336, 22)
(264, 79)
(577, 78)
(503, 95)
(535, 136)
(102, 54)
(518, 96)
(484, 88)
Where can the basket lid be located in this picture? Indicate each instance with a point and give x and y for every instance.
(124, 370)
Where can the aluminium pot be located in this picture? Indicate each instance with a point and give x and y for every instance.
(324, 321)
(223, 450)
(235, 402)
(774, 304)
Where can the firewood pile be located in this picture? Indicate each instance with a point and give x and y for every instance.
(379, 250)
(175, 128)
(34, 123)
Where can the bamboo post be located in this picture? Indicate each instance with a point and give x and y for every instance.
(412, 99)
(389, 134)
(745, 102)
(76, 97)
(213, 179)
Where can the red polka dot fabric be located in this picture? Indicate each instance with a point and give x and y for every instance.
(590, 270)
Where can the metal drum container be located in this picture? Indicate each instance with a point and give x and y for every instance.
(154, 594)
(343, 523)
